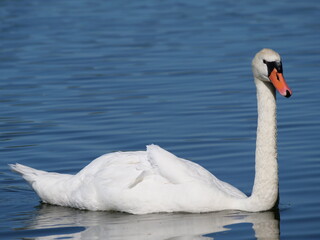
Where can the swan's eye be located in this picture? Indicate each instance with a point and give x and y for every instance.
(273, 65)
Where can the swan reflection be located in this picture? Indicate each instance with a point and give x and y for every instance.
(106, 225)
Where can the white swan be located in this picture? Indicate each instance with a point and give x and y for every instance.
(157, 181)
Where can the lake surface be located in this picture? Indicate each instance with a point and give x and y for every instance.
(83, 78)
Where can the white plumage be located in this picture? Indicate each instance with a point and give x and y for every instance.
(136, 182)
(157, 181)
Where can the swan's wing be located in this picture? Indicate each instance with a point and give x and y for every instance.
(178, 170)
(175, 169)
(117, 170)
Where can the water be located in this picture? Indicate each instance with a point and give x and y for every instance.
(82, 78)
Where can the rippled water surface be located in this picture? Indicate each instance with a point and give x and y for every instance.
(82, 78)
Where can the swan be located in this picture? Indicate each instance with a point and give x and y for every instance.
(155, 180)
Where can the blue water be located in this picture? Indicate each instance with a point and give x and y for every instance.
(83, 78)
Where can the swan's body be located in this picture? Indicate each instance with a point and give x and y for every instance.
(157, 181)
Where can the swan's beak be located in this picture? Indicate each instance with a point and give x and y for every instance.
(279, 83)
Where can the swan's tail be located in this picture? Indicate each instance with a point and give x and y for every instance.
(28, 173)
(51, 187)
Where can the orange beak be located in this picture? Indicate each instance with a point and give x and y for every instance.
(279, 83)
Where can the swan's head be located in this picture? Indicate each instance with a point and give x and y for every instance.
(267, 67)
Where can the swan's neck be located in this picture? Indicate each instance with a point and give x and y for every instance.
(265, 190)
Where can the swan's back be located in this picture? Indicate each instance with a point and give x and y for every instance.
(136, 182)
